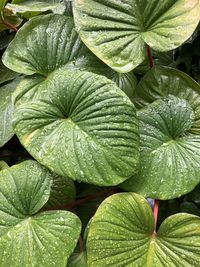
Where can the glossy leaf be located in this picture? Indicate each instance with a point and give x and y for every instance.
(122, 234)
(169, 134)
(117, 31)
(79, 125)
(63, 192)
(6, 111)
(44, 239)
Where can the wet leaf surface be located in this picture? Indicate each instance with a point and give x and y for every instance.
(28, 238)
(122, 234)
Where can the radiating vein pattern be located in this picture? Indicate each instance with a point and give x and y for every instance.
(81, 125)
(117, 31)
(121, 233)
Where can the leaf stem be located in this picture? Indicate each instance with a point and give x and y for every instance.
(155, 212)
(10, 26)
(81, 243)
(150, 58)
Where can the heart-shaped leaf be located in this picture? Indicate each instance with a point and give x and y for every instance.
(122, 234)
(169, 134)
(79, 125)
(44, 239)
(118, 31)
(6, 111)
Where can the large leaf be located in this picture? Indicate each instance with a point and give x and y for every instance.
(60, 46)
(44, 239)
(122, 233)
(79, 125)
(117, 31)
(6, 110)
(169, 134)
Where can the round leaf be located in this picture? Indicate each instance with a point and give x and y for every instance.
(169, 134)
(79, 125)
(45, 239)
(122, 234)
(118, 31)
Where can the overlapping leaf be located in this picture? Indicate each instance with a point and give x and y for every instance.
(122, 234)
(118, 31)
(169, 133)
(85, 126)
(27, 238)
(31, 53)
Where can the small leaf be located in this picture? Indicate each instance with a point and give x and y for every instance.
(63, 191)
(118, 31)
(122, 234)
(44, 239)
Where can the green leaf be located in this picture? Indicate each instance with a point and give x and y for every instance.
(44, 239)
(30, 8)
(2, 4)
(122, 234)
(3, 165)
(78, 260)
(6, 110)
(63, 191)
(169, 134)
(6, 74)
(79, 125)
(118, 31)
(126, 81)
